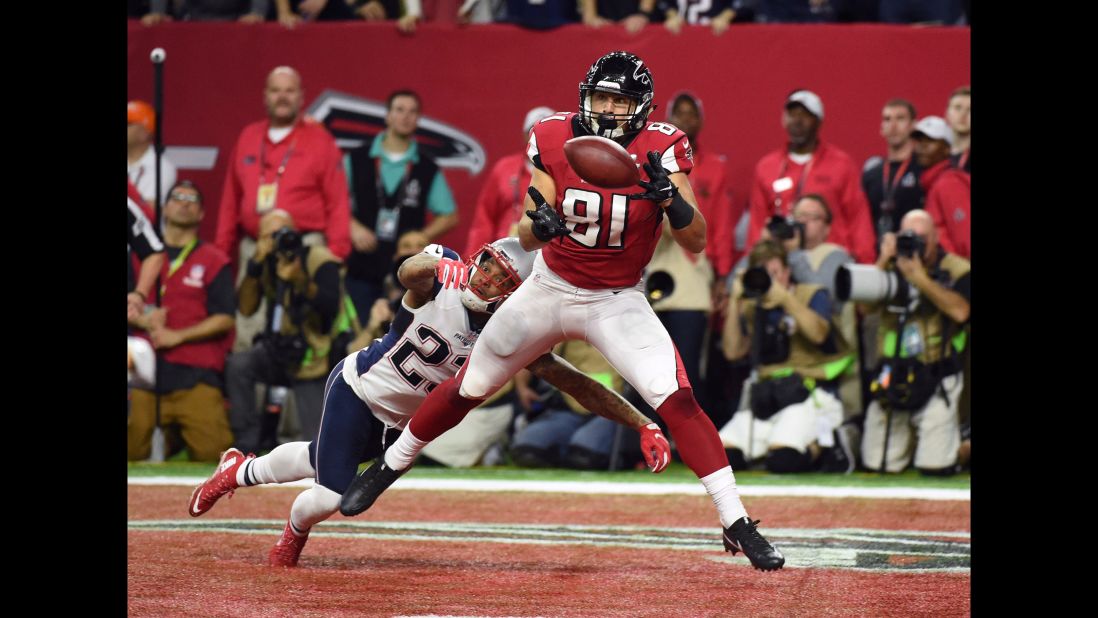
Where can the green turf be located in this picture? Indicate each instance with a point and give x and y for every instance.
(675, 473)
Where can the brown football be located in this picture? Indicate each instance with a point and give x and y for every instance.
(601, 162)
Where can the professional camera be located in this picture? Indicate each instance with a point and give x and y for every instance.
(285, 353)
(783, 229)
(287, 242)
(869, 284)
(756, 282)
(909, 244)
(659, 284)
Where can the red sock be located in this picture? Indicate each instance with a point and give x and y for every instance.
(695, 435)
(441, 410)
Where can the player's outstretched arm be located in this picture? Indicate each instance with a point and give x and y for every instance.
(606, 403)
(419, 272)
(672, 192)
(542, 223)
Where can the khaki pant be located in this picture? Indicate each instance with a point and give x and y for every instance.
(934, 442)
(199, 412)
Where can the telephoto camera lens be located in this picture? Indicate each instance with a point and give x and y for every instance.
(756, 282)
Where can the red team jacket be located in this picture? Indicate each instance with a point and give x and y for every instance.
(709, 180)
(835, 176)
(949, 202)
(185, 299)
(500, 203)
(313, 187)
(613, 238)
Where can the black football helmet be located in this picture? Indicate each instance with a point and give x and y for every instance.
(623, 73)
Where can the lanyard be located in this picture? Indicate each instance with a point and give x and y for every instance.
(263, 160)
(890, 191)
(800, 183)
(176, 263)
(964, 159)
(380, 184)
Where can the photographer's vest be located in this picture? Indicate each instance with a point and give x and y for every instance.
(927, 331)
(185, 285)
(691, 272)
(316, 363)
(407, 206)
(805, 357)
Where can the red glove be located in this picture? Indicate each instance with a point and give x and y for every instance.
(451, 273)
(656, 449)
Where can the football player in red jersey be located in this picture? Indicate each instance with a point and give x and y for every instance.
(586, 284)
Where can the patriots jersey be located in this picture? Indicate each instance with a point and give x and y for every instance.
(612, 237)
(422, 348)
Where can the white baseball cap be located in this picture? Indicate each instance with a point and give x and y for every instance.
(534, 115)
(934, 127)
(810, 100)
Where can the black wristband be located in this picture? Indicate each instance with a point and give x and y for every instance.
(254, 269)
(679, 212)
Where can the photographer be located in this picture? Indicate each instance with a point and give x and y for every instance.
(306, 318)
(797, 355)
(919, 371)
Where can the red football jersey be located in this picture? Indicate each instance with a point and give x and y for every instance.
(612, 237)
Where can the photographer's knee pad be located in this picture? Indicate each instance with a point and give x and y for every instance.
(785, 460)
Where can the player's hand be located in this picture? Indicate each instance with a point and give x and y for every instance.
(153, 19)
(721, 22)
(251, 18)
(656, 448)
(451, 273)
(547, 223)
(659, 187)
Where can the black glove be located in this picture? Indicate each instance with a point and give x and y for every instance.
(547, 223)
(659, 187)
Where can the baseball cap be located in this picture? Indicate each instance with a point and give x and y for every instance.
(934, 127)
(534, 115)
(140, 112)
(810, 100)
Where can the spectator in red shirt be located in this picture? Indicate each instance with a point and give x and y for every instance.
(500, 203)
(289, 162)
(948, 192)
(808, 165)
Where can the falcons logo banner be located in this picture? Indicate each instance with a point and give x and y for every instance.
(354, 121)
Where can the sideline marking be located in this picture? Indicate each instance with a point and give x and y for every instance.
(610, 488)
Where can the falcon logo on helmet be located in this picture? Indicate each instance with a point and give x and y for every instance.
(515, 265)
(617, 73)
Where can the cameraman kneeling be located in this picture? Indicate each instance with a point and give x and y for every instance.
(304, 294)
(797, 356)
(919, 375)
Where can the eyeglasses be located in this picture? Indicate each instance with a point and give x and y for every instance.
(184, 197)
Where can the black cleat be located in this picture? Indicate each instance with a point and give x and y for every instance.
(368, 486)
(743, 536)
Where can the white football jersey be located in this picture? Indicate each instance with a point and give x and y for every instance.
(422, 348)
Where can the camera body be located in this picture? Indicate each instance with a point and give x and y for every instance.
(756, 282)
(287, 242)
(781, 228)
(909, 244)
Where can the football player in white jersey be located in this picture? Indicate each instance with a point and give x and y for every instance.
(380, 387)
